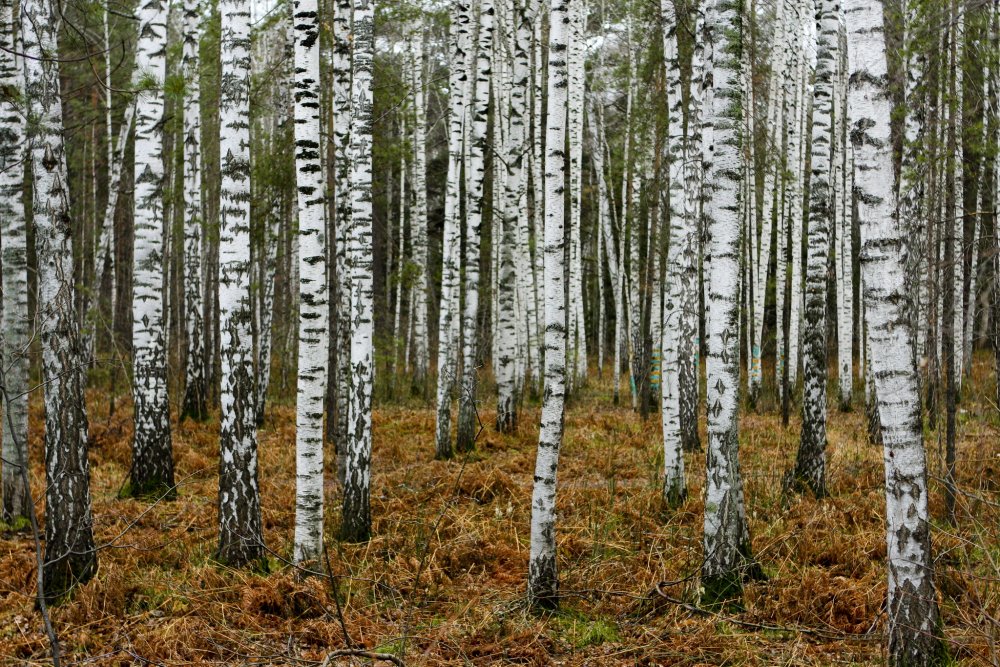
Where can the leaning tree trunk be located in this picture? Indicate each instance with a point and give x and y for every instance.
(914, 624)
(474, 220)
(313, 307)
(810, 466)
(70, 553)
(447, 329)
(14, 327)
(357, 522)
(152, 455)
(241, 539)
(726, 535)
(543, 578)
(195, 399)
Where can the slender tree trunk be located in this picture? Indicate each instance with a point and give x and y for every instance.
(418, 216)
(447, 362)
(15, 324)
(70, 553)
(810, 466)
(726, 535)
(356, 522)
(241, 539)
(195, 400)
(912, 604)
(543, 579)
(152, 457)
(467, 423)
(313, 306)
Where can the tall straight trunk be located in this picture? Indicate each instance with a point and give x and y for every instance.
(447, 360)
(680, 257)
(527, 289)
(781, 45)
(152, 457)
(726, 535)
(241, 539)
(194, 404)
(843, 215)
(537, 180)
(797, 169)
(810, 465)
(694, 172)
(543, 578)
(467, 425)
(418, 215)
(14, 325)
(356, 522)
(514, 218)
(956, 175)
(70, 552)
(341, 310)
(574, 128)
(313, 306)
(912, 602)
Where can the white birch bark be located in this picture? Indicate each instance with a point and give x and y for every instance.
(843, 215)
(810, 465)
(313, 307)
(680, 256)
(418, 213)
(726, 536)
(14, 325)
(958, 190)
(474, 219)
(574, 128)
(797, 169)
(240, 529)
(543, 578)
(356, 521)
(341, 75)
(152, 458)
(70, 554)
(194, 404)
(912, 607)
(447, 362)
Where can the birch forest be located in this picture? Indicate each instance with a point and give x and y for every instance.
(500, 332)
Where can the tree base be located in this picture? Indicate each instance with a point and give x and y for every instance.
(153, 489)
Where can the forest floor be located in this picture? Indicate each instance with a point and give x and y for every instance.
(442, 582)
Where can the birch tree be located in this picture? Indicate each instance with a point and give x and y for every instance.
(458, 33)
(418, 218)
(70, 553)
(476, 175)
(313, 307)
(14, 325)
(727, 556)
(543, 578)
(152, 456)
(810, 465)
(240, 531)
(356, 517)
(912, 601)
(195, 401)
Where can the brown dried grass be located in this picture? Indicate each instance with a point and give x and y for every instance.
(447, 564)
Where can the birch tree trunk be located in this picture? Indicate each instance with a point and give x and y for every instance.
(241, 540)
(574, 128)
(843, 215)
(727, 554)
(15, 325)
(810, 466)
(356, 521)
(195, 400)
(313, 306)
(418, 215)
(680, 255)
(342, 222)
(152, 457)
(543, 578)
(70, 553)
(912, 602)
(467, 425)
